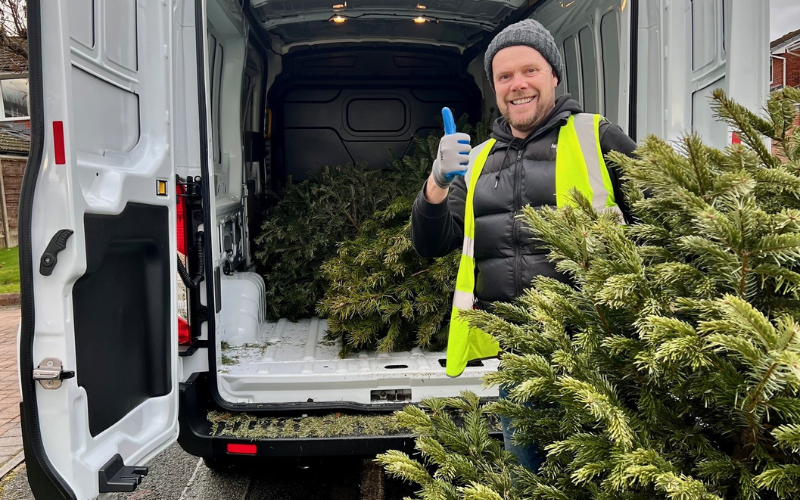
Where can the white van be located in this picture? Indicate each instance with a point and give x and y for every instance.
(158, 127)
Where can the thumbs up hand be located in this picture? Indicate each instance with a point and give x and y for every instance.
(453, 155)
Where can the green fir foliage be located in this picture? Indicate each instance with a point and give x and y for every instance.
(302, 230)
(381, 294)
(669, 370)
(242, 425)
(310, 219)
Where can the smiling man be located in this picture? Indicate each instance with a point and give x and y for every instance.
(541, 148)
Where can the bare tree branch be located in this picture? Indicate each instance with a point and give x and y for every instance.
(14, 29)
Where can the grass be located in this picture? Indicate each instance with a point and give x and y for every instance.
(7, 479)
(9, 270)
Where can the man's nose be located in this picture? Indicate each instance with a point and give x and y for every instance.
(518, 82)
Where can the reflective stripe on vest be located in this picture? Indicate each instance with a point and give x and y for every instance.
(580, 165)
(579, 144)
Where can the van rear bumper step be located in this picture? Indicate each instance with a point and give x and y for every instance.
(195, 433)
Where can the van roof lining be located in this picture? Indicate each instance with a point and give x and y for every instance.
(457, 23)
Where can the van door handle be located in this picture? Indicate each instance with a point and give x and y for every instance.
(50, 255)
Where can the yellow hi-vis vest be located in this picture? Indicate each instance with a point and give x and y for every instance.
(580, 165)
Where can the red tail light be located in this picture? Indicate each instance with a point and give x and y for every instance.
(184, 329)
(241, 449)
(180, 190)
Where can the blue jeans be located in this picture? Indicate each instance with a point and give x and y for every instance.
(528, 455)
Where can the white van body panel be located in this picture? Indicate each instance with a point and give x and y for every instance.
(115, 102)
(689, 48)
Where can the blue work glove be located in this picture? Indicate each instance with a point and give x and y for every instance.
(453, 155)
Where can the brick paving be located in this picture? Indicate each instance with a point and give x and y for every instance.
(10, 431)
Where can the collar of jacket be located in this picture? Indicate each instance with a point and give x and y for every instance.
(565, 107)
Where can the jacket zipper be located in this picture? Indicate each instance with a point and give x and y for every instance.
(515, 223)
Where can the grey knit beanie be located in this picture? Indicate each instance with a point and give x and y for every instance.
(526, 32)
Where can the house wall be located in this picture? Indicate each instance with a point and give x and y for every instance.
(792, 71)
(777, 73)
(792, 62)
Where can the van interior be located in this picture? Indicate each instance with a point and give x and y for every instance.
(293, 84)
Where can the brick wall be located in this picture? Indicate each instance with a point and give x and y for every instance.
(13, 170)
(777, 73)
(792, 71)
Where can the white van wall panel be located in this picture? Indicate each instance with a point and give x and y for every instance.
(591, 100)
(748, 52)
(706, 23)
(230, 116)
(610, 63)
(703, 120)
(81, 22)
(108, 117)
(572, 67)
(708, 68)
(702, 41)
(187, 138)
(120, 33)
(678, 45)
(593, 40)
(184, 60)
(650, 105)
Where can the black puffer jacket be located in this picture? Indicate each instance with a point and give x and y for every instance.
(517, 173)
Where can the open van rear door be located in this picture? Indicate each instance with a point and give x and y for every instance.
(688, 48)
(98, 337)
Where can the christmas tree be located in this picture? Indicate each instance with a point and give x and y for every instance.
(381, 294)
(669, 367)
(308, 221)
(303, 229)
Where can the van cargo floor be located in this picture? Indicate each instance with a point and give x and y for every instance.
(290, 362)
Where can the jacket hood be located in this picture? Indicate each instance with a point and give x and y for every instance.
(564, 108)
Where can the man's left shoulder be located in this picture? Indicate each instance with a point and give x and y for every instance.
(613, 138)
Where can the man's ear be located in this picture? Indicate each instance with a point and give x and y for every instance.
(555, 81)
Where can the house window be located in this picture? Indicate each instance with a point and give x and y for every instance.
(771, 74)
(15, 98)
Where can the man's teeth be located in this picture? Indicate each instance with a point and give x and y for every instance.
(522, 101)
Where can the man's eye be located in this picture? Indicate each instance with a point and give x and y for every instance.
(531, 70)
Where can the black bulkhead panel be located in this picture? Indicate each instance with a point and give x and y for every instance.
(121, 308)
(339, 106)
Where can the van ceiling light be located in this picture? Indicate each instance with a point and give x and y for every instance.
(421, 7)
(339, 6)
(338, 19)
(420, 20)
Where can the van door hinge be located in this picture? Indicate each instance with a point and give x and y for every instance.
(50, 374)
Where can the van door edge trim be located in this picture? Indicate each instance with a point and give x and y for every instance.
(209, 227)
(634, 68)
(32, 440)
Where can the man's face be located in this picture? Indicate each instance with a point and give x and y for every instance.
(525, 87)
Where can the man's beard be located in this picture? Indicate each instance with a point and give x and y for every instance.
(528, 123)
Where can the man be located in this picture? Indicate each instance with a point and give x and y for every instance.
(541, 148)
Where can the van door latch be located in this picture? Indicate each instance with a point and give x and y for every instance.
(50, 256)
(50, 374)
